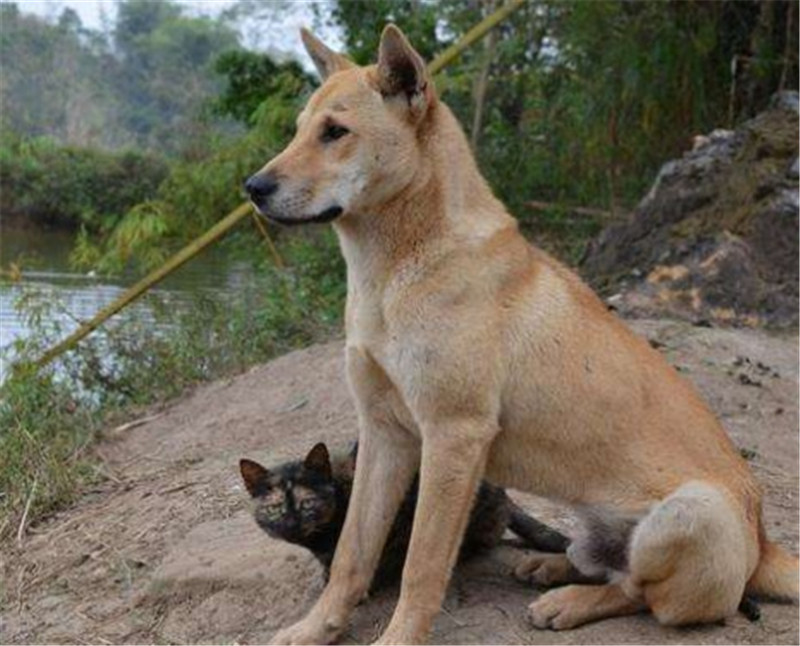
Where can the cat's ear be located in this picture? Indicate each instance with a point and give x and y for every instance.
(319, 460)
(254, 475)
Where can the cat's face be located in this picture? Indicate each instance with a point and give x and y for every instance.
(295, 501)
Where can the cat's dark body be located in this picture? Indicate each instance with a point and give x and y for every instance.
(305, 502)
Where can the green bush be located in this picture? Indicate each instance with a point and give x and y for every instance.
(47, 183)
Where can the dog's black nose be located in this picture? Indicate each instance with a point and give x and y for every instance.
(260, 186)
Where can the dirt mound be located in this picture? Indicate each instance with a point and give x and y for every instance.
(715, 239)
(166, 551)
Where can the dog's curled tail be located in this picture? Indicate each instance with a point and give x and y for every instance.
(776, 576)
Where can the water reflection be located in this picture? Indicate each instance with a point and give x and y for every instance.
(43, 257)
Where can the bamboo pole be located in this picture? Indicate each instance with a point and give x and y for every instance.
(154, 277)
(473, 35)
(234, 217)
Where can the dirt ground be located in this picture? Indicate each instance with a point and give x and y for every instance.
(165, 550)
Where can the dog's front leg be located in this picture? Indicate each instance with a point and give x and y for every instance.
(453, 461)
(388, 457)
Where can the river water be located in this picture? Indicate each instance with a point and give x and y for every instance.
(43, 257)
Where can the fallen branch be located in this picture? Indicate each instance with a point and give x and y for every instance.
(137, 422)
(181, 487)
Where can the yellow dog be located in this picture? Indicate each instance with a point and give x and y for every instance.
(471, 353)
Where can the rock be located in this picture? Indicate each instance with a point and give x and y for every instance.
(785, 100)
(715, 238)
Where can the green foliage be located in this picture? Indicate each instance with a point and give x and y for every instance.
(165, 73)
(55, 82)
(44, 438)
(585, 100)
(252, 78)
(363, 23)
(48, 183)
(196, 193)
(145, 84)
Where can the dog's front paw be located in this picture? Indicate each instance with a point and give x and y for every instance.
(403, 631)
(556, 609)
(395, 637)
(306, 631)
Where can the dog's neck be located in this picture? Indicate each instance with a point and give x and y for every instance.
(447, 204)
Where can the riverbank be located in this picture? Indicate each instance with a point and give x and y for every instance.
(163, 548)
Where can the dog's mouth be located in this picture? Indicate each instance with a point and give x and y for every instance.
(328, 215)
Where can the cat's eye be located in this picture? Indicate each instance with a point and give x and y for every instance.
(274, 511)
(332, 132)
(305, 505)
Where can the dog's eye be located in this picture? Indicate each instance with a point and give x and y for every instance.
(333, 132)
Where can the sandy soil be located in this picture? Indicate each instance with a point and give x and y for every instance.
(165, 550)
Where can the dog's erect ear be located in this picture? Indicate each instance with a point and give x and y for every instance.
(318, 460)
(254, 476)
(325, 59)
(401, 71)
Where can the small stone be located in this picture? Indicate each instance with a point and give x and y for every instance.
(748, 454)
(785, 100)
(745, 380)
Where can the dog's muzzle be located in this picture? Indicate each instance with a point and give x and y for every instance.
(261, 187)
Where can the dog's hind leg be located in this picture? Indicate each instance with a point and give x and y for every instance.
(574, 605)
(691, 556)
(689, 560)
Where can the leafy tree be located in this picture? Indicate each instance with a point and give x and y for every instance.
(166, 69)
(251, 79)
(363, 23)
(51, 184)
(580, 102)
(52, 80)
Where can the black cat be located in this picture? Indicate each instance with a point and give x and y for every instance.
(305, 501)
